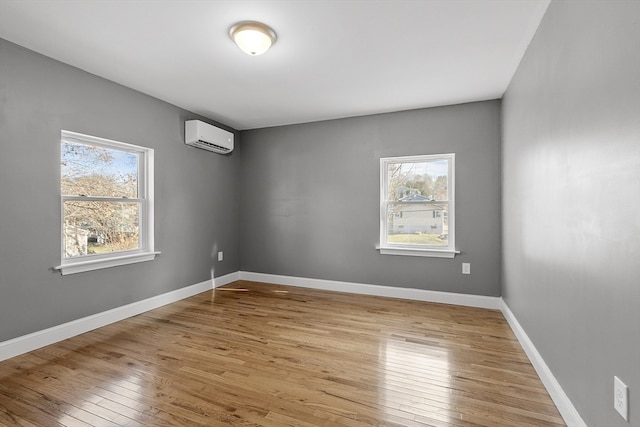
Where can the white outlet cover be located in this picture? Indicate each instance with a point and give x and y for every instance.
(466, 268)
(220, 256)
(620, 398)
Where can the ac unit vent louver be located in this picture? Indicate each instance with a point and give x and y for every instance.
(210, 146)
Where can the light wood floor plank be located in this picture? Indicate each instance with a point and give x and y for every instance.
(282, 356)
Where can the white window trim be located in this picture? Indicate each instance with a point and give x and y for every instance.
(113, 261)
(417, 250)
(145, 178)
(433, 253)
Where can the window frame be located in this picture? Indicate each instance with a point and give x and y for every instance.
(412, 249)
(145, 200)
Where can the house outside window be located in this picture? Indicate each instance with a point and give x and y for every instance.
(106, 192)
(417, 205)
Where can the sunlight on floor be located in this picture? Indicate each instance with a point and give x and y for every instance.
(415, 381)
(125, 392)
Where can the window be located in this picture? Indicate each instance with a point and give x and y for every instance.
(417, 206)
(106, 192)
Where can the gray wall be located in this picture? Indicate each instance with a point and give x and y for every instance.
(196, 209)
(571, 201)
(310, 197)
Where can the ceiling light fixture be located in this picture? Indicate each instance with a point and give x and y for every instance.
(254, 38)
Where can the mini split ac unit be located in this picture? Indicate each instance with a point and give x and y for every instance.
(208, 137)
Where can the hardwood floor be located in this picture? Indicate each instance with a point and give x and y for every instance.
(271, 355)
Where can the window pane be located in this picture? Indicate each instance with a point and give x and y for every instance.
(418, 224)
(92, 227)
(417, 181)
(90, 170)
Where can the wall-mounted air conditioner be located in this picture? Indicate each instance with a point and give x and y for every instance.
(208, 137)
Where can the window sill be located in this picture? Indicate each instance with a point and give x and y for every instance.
(96, 264)
(433, 253)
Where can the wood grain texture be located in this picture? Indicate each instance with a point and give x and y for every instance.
(282, 356)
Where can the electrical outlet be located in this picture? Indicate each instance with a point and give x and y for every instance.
(620, 398)
(466, 268)
(220, 256)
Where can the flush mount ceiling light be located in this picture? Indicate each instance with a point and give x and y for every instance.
(254, 38)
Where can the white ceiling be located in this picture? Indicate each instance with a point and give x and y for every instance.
(333, 58)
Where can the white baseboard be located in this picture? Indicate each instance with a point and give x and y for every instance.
(559, 397)
(33, 341)
(377, 290)
(226, 279)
